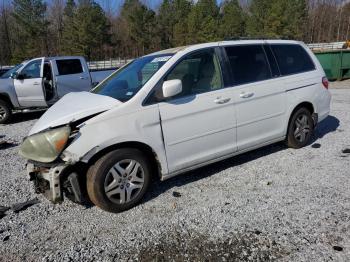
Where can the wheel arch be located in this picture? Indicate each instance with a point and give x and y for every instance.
(308, 105)
(7, 99)
(144, 148)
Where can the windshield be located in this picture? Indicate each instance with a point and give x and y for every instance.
(8, 73)
(126, 82)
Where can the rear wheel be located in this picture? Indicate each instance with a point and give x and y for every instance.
(5, 112)
(300, 128)
(118, 180)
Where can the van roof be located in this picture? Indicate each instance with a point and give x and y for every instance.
(225, 42)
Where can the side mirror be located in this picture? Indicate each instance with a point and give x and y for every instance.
(171, 88)
(13, 75)
(18, 76)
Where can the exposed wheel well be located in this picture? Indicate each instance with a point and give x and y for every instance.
(6, 99)
(147, 150)
(306, 105)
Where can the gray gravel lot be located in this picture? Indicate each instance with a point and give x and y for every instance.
(270, 204)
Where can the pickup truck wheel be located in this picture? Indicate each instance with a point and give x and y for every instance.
(5, 112)
(118, 180)
(300, 128)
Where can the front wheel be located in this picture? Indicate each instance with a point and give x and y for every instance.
(118, 180)
(300, 128)
(5, 112)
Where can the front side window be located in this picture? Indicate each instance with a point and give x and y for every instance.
(32, 70)
(199, 72)
(248, 64)
(127, 81)
(292, 59)
(69, 66)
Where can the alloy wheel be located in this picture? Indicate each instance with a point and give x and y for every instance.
(302, 128)
(2, 112)
(124, 181)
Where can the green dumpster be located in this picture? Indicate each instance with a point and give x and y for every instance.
(336, 63)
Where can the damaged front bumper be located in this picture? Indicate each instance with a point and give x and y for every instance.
(47, 181)
(59, 180)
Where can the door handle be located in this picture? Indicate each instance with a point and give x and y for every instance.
(220, 100)
(82, 78)
(246, 95)
(36, 83)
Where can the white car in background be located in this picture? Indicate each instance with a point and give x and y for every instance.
(172, 111)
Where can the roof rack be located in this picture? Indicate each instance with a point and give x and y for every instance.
(256, 38)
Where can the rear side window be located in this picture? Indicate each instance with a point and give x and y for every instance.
(292, 59)
(69, 66)
(248, 63)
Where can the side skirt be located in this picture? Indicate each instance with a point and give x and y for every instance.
(170, 175)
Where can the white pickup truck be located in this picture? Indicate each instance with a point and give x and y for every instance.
(40, 82)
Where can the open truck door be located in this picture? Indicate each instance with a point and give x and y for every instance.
(29, 84)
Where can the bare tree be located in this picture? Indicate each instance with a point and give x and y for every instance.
(5, 40)
(55, 17)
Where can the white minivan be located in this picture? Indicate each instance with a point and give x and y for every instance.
(172, 111)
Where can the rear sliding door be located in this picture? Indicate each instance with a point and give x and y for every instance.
(259, 95)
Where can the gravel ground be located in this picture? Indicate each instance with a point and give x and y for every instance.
(270, 204)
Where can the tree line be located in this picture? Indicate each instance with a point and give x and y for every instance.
(32, 28)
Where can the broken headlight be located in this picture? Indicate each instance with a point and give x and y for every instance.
(45, 147)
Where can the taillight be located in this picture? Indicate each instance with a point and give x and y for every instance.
(325, 82)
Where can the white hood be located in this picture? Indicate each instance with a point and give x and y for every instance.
(72, 107)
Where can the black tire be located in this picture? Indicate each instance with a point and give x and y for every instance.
(99, 173)
(297, 139)
(5, 112)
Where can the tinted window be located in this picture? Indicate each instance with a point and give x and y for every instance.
(69, 66)
(32, 70)
(199, 72)
(292, 59)
(248, 63)
(272, 61)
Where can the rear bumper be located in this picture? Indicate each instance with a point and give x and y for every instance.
(323, 116)
(47, 181)
(324, 105)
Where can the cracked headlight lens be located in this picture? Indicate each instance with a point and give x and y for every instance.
(45, 147)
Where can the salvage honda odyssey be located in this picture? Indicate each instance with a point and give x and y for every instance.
(172, 111)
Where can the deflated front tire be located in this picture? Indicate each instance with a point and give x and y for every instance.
(118, 180)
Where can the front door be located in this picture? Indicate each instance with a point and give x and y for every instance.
(198, 124)
(29, 84)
